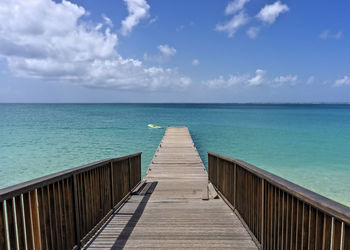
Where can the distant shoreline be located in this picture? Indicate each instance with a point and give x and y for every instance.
(204, 103)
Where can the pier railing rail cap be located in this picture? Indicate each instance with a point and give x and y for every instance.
(320, 202)
(28, 186)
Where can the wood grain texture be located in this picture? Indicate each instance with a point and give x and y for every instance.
(62, 210)
(168, 211)
(279, 214)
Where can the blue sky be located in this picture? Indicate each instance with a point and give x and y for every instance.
(174, 51)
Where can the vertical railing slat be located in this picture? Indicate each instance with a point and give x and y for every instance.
(58, 217)
(312, 228)
(327, 224)
(112, 185)
(20, 222)
(11, 223)
(28, 220)
(262, 235)
(346, 237)
(3, 244)
(67, 196)
(76, 211)
(42, 218)
(35, 219)
(337, 234)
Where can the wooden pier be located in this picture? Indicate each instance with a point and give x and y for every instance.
(105, 205)
(172, 208)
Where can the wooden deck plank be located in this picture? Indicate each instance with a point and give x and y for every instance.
(174, 214)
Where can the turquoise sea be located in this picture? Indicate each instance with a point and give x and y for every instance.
(306, 144)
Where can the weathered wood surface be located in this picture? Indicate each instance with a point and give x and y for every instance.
(278, 213)
(63, 210)
(168, 211)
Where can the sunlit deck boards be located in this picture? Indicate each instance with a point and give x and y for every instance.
(168, 211)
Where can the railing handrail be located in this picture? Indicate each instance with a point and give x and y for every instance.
(329, 206)
(27, 186)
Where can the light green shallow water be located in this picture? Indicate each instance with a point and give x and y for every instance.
(306, 144)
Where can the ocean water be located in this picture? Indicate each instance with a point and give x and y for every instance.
(306, 144)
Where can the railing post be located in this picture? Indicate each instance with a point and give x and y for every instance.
(3, 244)
(234, 184)
(76, 210)
(112, 184)
(208, 167)
(262, 213)
(129, 173)
(35, 219)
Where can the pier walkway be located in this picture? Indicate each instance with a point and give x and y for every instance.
(172, 208)
(106, 205)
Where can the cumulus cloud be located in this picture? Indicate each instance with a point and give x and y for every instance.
(228, 82)
(258, 79)
(345, 81)
(269, 13)
(238, 79)
(235, 6)
(165, 53)
(138, 10)
(327, 34)
(234, 24)
(253, 32)
(47, 40)
(287, 79)
(195, 62)
(166, 50)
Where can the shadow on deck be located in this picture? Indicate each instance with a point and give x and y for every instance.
(117, 230)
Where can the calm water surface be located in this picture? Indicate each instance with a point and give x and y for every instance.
(306, 144)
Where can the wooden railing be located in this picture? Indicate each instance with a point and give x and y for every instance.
(63, 210)
(278, 213)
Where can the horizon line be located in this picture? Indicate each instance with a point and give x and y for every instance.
(239, 103)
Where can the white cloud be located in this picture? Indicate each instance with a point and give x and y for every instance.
(234, 6)
(138, 10)
(251, 80)
(234, 24)
(232, 80)
(107, 20)
(269, 13)
(47, 40)
(345, 81)
(165, 53)
(287, 79)
(253, 32)
(195, 62)
(310, 80)
(327, 34)
(238, 79)
(258, 79)
(166, 50)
